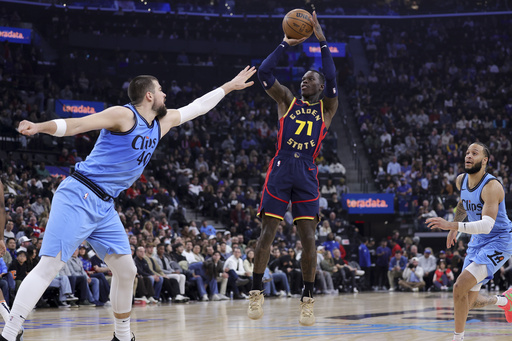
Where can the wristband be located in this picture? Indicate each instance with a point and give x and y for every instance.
(61, 127)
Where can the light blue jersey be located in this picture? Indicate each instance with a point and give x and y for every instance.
(492, 249)
(118, 159)
(80, 212)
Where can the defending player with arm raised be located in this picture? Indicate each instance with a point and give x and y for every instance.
(292, 173)
(482, 201)
(82, 205)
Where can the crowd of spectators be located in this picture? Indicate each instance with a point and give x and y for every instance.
(434, 87)
(215, 165)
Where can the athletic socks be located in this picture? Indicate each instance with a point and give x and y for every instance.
(308, 289)
(122, 329)
(13, 325)
(4, 310)
(458, 336)
(501, 300)
(257, 281)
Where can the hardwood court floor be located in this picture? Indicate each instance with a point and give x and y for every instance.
(363, 316)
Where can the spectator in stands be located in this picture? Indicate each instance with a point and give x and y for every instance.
(214, 269)
(412, 276)
(397, 266)
(234, 267)
(383, 254)
(429, 265)
(153, 282)
(76, 268)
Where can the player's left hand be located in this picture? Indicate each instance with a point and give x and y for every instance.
(240, 81)
(2, 248)
(317, 28)
(440, 223)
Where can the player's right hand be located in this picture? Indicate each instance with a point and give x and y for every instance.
(27, 128)
(293, 42)
(451, 239)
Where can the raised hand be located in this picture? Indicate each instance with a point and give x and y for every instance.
(240, 81)
(293, 42)
(317, 28)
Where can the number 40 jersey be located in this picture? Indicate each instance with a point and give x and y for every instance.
(118, 159)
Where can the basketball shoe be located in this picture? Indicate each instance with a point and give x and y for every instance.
(116, 339)
(307, 316)
(18, 338)
(256, 299)
(508, 307)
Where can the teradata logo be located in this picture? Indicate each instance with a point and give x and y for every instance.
(317, 49)
(12, 34)
(366, 203)
(81, 109)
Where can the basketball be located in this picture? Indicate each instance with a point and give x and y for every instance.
(297, 24)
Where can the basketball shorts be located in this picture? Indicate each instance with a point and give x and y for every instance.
(291, 177)
(77, 214)
(491, 255)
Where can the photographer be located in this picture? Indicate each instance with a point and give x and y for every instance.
(412, 276)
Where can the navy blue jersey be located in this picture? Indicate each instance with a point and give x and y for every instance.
(302, 128)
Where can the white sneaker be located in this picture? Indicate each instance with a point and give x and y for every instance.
(205, 298)
(307, 316)
(355, 291)
(180, 298)
(359, 272)
(223, 297)
(281, 293)
(153, 300)
(415, 289)
(391, 289)
(215, 297)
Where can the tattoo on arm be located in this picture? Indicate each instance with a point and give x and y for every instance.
(460, 213)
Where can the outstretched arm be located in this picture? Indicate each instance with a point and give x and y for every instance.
(331, 90)
(280, 93)
(203, 104)
(114, 119)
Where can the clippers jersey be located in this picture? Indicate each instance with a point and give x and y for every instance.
(473, 204)
(118, 159)
(302, 128)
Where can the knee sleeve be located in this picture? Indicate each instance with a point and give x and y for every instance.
(479, 271)
(121, 289)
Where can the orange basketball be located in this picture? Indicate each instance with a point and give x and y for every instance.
(296, 24)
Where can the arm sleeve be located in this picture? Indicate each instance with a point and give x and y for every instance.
(265, 72)
(483, 226)
(329, 69)
(201, 105)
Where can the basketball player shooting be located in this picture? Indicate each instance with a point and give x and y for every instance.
(482, 202)
(292, 173)
(83, 206)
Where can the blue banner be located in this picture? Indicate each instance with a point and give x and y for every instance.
(15, 35)
(368, 203)
(67, 108)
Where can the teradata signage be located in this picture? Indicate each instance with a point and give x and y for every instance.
(369, 203)
(68, 108)
(15, 35)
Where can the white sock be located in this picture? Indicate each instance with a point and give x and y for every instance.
(4, 310)
(501, 300)
(458, 336)
(13, 326)
(122, 329)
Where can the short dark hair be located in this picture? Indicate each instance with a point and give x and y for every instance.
(320, 75)
(487, 153)
(139, 86)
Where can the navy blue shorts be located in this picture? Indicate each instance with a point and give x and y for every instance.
(291, 176)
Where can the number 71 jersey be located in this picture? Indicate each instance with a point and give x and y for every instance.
(118, 159)
(302, 128)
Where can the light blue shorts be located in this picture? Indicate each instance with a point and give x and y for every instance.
(77, 214)
(489, 255)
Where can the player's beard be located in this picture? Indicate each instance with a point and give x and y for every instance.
(161, 111)
(475, 169)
